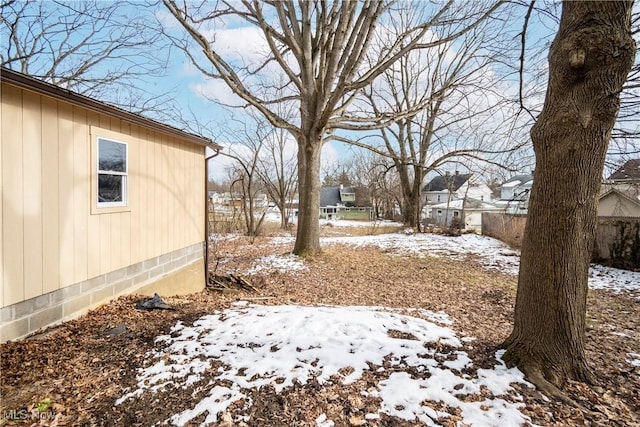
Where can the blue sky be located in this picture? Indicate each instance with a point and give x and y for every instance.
(190, 82)
(183, 83)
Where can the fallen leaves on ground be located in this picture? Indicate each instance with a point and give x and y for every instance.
(73, 373)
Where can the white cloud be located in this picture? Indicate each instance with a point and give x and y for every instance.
(221, 164)
(330, 157)
(216, 90)
(245, 44)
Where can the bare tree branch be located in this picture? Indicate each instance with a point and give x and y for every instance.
(92, 47)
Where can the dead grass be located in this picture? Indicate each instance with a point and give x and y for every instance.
(83, 369)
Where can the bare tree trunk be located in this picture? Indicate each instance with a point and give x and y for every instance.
(308, 231)
(588, 64)
(284, 214)
(410, 214)
(413, 203)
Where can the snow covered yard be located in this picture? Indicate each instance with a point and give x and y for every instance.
(491, 254)
(415, 357)
(395, 329)
(279, 346)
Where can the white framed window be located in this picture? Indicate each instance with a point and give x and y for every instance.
(112, 178)
(112, 173)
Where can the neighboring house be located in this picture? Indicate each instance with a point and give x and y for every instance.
(233, 201)
(630, 171)
(517, 188)
(443, 188)
(514, 194)
(443, 214)
(96, 202)
(438, 189)
(626, 179)
(344, 203)
(615, 203)
(467, 213)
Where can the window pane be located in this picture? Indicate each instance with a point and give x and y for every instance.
(112, 156)
(110, 188)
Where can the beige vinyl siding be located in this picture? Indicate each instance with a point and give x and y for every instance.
(616, 205)
(12, 197)
(32, 192)
(65, 193)
(50, 196)
(52, 237)
(3, 125)
(80, 197)
(134, 222)
(93, 226)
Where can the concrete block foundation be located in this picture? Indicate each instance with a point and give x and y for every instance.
(178, 272)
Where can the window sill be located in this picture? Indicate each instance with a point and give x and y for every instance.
(97, 210)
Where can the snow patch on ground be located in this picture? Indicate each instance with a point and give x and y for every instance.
(360, 224)
(282, 240)
(272, 263)
(256, 346)
(491, 253)
(613, 279)
(633, 359)
(322, 421)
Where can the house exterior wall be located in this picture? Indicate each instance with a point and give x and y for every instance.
(509, 192)
(474, 190)
(473, 220)
(432, 197)
(443, 217)
(356, 213)
(514, 191)
(613, 205)
(53, 236)
(341, 212)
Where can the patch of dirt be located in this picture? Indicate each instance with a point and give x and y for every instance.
(74, 373)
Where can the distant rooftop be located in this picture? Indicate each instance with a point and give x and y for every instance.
(517, 180)
(629, 171)
(440, 182)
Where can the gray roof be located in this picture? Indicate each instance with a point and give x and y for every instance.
(330, 196)
(522, 178)
(440, 182)
(630, 170)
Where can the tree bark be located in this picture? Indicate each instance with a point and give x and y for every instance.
(413, 203)
(589, 61)
(284, 215)
(308, 231)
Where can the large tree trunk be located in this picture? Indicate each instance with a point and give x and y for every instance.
(410, 194)
(411, 213)
(588, 63)
(412, 205)
(308, 232)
